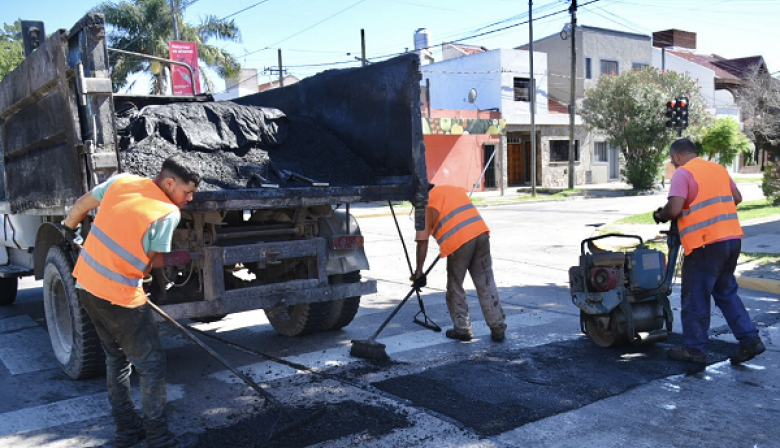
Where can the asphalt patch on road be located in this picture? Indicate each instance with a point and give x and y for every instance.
(308, 426)
(495, 392)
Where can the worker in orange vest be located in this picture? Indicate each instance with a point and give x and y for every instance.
(463, 238)
(704, 199)
(135, 222)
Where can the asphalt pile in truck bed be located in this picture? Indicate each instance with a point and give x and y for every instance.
(238, 146)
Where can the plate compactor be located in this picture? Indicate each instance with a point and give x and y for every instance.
(624, 296)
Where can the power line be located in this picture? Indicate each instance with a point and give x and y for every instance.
(243, 10)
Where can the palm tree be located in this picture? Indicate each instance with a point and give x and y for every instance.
(146, 26)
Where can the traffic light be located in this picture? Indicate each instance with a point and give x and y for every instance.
(671, 114)
(682, 112)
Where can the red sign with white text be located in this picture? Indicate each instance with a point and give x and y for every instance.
(186, 52)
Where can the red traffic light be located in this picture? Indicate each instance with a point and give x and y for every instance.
(683, 103)
(671, 104)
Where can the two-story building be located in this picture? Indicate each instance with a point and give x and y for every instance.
(599, 52)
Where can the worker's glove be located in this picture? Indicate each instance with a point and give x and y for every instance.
(419, 281)
(71, 235)
(656, 216)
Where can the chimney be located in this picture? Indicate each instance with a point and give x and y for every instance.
(675, 39)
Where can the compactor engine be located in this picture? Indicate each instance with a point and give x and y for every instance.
(624, 296)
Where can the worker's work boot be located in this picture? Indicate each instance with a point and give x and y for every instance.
(460, 335)
(158, 436)
(684, 354)
(498, 333)
(129, 432)
(749, 351)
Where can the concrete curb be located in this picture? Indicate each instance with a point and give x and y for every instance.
(758, 284)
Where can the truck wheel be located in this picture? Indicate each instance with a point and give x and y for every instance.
(73, 336)
(342, 311)
(298, 320)
(8, 288)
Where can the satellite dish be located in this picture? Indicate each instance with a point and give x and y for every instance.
(472, 95)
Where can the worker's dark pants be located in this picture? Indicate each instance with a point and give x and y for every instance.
(130, 338)
(709, 272)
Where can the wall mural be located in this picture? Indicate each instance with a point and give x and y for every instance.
(460, 126)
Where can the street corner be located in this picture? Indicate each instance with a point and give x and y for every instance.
(764, 277)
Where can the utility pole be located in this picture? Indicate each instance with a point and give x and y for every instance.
(175, 11)
(281, 73)
(362, 47)
(533, 97)
(573, 104)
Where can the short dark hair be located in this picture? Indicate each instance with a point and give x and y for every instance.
(683, 146)
(183, 168)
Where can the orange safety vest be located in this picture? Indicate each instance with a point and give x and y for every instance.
(112, 264)
(712, 216)
(459, 221)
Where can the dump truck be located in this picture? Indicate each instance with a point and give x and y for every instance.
(269, 230)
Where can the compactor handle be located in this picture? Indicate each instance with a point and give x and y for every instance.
(618, 235)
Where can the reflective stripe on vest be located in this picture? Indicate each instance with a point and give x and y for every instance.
(108, 273)
(703, 204)
(458, 220)
(117, 249)
(712, 216)
(446, 236)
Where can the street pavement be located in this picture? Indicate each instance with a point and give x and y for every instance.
(547, 385)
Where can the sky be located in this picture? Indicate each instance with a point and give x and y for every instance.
(315, 35)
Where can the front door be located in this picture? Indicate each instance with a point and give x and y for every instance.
(516, 166)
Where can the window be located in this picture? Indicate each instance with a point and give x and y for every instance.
(609, 68)
(559, 150)
(639, 66)
(522, 89)
(600, 152)
(588, 69)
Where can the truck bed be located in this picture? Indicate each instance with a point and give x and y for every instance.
(358, 130)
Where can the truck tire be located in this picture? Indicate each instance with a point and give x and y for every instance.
(73, 337)
(8, 288)
(298, 320)
(342, 311)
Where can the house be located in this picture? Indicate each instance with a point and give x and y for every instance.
(499, 81)
(600, 51)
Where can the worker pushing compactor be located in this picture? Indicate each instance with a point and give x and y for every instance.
(463, 238)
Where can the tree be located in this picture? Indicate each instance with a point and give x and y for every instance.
(11, 48)
(724, 141)
(630, 110)
(146, 26)
(759, 101)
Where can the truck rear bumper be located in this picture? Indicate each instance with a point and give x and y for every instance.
(270, 296)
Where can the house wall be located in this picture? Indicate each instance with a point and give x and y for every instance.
(458, 159)
(556, 174)
(593, 43)
(492, 74)
(601, 44)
